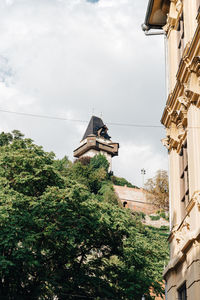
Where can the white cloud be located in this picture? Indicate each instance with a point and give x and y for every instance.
(68, 58)
(134, 157)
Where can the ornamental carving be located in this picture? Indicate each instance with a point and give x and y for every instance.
(179, 6)
(181, 131)
(192, 87)
(196, 199)
(165, 142)
(187, 90)
(169, 110)
(184, 101)
(195, 65)
(173, 116)
(166, 28)
(181, 235)
(185, 227)
(175, 133)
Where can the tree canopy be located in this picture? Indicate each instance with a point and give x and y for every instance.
(63, 234)
(122, 182)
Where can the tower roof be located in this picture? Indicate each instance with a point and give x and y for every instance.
(96, 127)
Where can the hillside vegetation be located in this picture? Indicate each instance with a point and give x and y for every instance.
(63, 234)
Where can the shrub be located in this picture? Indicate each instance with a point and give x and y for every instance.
(155, 218)
(122, 182)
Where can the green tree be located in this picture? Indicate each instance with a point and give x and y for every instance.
(99, 161)
(63, 234)
(122, 182)
(93, 172)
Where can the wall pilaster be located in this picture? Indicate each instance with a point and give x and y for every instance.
(193, 138)
(174, 174)
(172, 58)
(190, 22)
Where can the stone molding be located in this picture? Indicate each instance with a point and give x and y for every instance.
(176, 111)
(179, 6)
(196, 199)
(176, 134)
(183, 235)
(184, 101)
(187, 88)
(184, 244)
(166, 142)
(175, 12)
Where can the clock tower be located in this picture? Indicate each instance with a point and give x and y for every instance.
(97, 141)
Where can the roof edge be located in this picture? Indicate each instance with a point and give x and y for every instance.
(147, 25)
(148, 13)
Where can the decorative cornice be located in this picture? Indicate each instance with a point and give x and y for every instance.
(179, 6)
(196, 199)
(188, 80)
(181, 130)
(166, 142)
(184, 101)
(195, 65)
(180, 256)
(176, 133)
(175, 12)
(181, 235)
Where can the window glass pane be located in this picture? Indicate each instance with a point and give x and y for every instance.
(182, 292)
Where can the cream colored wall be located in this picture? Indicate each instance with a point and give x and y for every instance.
(189, 272)
(190, 25)
(174, 194)
(183, 99)
(90, 153)
(193, 137)
(173, 59)
(190, 22)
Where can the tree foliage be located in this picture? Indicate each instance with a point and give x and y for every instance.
(63, 234)
(158, 190)
(122, 182)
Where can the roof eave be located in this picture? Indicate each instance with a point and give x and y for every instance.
(149, 12)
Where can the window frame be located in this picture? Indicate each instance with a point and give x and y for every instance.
(184, 178)
(180, 37)
(182, 292)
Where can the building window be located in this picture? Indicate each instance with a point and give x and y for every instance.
(180, 37)
(184, 182)
(125, 204)
(182, 292)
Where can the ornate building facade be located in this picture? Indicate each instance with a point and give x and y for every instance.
(180, 21)
(97, 141)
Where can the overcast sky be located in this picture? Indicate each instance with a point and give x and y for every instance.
(75, 58)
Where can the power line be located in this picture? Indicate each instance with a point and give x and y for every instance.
(77, 120)
(136, 125)
(41, 116)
